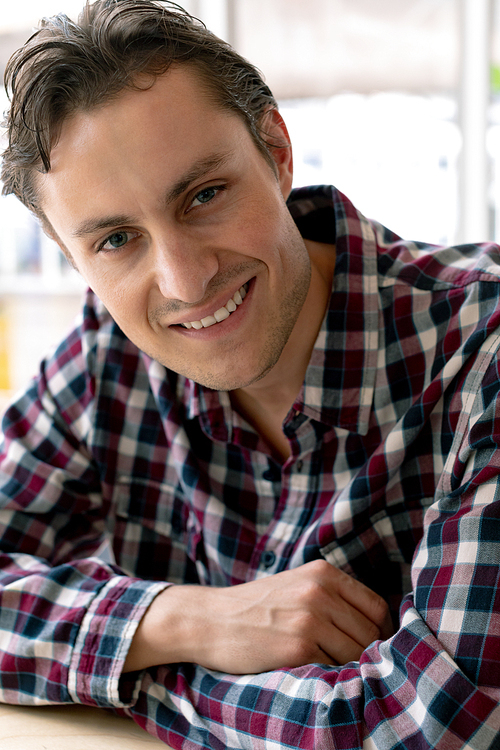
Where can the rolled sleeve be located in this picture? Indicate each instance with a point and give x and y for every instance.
(104, 639)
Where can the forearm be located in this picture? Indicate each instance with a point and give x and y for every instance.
(314, 613)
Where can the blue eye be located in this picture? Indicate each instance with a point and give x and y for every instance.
(118, 239)
(205, 195)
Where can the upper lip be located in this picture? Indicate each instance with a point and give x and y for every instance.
(209, 308)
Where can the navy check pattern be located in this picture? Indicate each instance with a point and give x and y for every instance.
(119, 478)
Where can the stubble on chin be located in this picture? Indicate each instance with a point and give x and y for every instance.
(268, 343)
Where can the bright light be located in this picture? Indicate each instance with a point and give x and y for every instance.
(25, 15)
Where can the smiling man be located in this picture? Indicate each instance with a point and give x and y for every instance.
(251, 501)
(183, 231)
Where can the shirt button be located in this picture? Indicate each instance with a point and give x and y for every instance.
(268, 559)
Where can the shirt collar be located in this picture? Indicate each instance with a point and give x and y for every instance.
(339, 381)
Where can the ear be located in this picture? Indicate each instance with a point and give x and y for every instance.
(276, 134)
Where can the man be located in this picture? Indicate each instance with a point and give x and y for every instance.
(274, 424)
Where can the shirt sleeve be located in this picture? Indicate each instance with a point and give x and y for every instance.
(67, 617)
(434, 684)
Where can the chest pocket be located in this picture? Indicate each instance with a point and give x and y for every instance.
(154, 535)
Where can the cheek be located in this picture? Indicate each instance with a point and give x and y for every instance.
(263, 230)
(124, 295)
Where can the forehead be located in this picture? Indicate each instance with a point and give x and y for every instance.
(167, 125)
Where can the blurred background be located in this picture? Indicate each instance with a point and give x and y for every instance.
(396, 102)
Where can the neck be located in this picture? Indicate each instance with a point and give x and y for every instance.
(266, 402)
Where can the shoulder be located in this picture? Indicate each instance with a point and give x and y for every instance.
(428, 266)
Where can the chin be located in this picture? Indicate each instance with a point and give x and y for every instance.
(225, 382)
(232, 378)
(247, 362)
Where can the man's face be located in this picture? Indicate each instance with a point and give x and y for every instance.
(175, 219)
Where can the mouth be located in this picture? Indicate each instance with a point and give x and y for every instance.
(222, 313)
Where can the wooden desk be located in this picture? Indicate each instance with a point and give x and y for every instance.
(70, 728)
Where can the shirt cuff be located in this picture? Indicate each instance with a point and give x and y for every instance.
(104, 639)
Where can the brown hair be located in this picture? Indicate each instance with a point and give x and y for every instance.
(67, 67)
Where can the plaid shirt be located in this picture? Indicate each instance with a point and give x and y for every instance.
(393, 478)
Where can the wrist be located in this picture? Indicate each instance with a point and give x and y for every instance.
(166, 632)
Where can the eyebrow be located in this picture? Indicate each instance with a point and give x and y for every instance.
(93, 226)
(198, 171)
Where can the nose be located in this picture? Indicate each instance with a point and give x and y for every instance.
(184, 267)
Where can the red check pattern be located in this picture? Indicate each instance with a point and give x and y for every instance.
(119, 477)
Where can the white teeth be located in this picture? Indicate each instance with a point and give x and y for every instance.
(222, 313)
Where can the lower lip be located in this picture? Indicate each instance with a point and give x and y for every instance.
(222, 328)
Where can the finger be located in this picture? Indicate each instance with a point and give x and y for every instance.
(352, 623)
(366, 601)
(340, 648)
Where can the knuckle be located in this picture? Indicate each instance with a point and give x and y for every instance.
(319, 568)
(320, 564)
(311, 591)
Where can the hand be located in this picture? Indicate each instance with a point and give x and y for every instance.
(315, 613)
